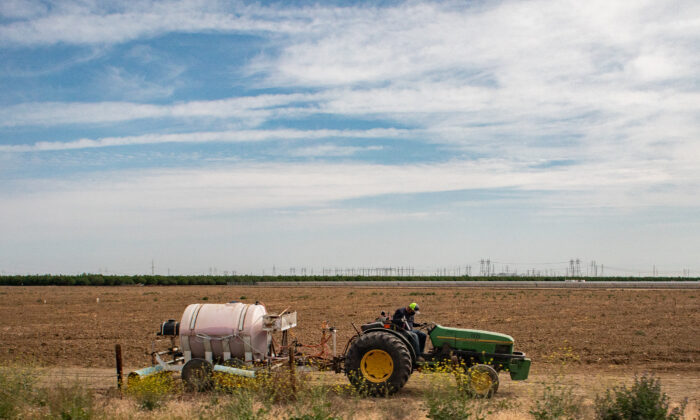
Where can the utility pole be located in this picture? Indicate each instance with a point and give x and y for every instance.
(153, 268)
(578, 267)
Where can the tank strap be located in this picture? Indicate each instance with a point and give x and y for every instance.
(194, 316)
(207, 349)
(241, 322)
(247, 348)
(185, 344)
(226, 347)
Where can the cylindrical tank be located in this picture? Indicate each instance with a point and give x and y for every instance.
(222, 331)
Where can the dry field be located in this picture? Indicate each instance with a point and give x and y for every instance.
(601, 335)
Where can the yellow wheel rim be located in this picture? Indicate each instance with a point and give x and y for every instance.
(480, 382)
(376, 366)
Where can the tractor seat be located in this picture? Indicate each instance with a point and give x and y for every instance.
(365, 327)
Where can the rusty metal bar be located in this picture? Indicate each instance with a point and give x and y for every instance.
(120, 369)
(292, 369)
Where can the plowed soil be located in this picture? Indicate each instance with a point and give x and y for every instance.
(653, 330)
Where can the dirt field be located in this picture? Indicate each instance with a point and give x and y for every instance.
(602, 336)
(645, 329)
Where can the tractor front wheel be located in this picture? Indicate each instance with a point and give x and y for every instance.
(480, 381)
(378, 363)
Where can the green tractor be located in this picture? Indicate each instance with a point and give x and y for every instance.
(380, 359)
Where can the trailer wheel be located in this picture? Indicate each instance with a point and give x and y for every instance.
(479, 380)
(197, 375)
(378, 363)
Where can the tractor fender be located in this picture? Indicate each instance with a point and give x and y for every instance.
(400, 336)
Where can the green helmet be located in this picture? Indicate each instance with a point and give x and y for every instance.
(414, 307)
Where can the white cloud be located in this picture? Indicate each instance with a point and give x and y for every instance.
(553, 79)
(119, 83)
(260, 186)
(609, 88)
(324, 150)
(231, 136)
(93, 23)
(57, 113)
(229, 214)
(505, 43)
(22, 9)
(655, 68)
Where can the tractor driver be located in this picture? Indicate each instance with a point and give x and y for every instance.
(403, 321)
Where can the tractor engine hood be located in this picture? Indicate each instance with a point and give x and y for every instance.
(474, 340)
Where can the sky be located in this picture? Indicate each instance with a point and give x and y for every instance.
(190, 136)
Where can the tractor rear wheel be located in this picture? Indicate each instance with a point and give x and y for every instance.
(479, 380)
(378, 363)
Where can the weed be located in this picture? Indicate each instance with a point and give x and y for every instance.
(644, 400)
(456, 400)
(396, 409)
(279, 386)
(448, 404)
(564, 354)
(243, 298)
(314, 404)
(69, 402)
(16, 389)
(241, 406)
(314, 416)
(205, 298)
(275, 387)
(557, 402)
(640, 333)
(152, 391)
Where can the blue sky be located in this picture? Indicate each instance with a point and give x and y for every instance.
(238, 136)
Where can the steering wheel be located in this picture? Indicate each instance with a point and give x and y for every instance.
(427, 326)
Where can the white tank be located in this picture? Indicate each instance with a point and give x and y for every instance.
(223, 331)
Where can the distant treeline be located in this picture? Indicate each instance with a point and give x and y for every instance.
(115, 280)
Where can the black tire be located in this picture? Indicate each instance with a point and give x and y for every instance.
(481, 381)
(380, 346)
(197, 375)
